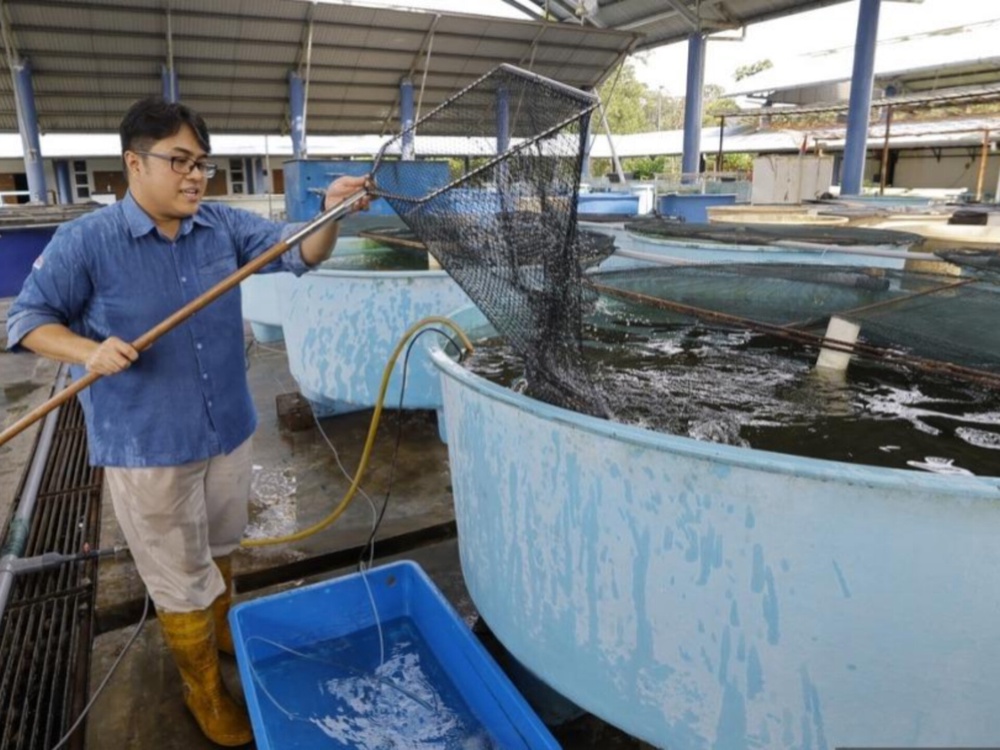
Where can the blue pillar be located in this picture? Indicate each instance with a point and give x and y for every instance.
(862, 80)
(259, 181)
(693, 103)
(27, 118)
(168, 79)
(64, 187)
(297, 107)
(503, 120)
(406, 118)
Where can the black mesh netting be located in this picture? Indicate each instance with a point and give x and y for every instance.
(766, 234)
(505, 227)
(930, 321)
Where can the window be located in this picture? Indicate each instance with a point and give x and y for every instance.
(237, 176)
(81, 179)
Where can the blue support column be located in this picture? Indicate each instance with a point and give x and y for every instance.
(64, 188)
(503, 120)
(168, 79)
(27, 119)
(693, 104)
(859, 113)
(297, 107)
(259, 180)
(406, 118)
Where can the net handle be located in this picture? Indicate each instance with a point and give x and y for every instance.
(172, 321)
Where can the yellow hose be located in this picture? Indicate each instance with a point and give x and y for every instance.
(372, 430)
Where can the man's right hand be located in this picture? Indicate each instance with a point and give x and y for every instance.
(111, 356)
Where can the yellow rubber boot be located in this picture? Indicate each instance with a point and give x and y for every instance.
(220, 607)
(191, 638)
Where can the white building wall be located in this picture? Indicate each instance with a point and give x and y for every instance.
(956, 168)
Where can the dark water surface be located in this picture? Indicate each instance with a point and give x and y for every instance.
(734, 386)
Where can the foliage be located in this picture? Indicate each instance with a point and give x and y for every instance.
(752, 69)
(643, 168)
(626, 100)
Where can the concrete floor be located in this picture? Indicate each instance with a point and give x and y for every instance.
(297, 483)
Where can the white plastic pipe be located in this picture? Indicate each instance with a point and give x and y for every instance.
(843, 335)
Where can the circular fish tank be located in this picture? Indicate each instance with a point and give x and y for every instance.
(703, 594)
(342, 321)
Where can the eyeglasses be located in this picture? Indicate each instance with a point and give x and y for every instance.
(185, 164)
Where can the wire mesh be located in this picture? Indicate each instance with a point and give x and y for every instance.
(505, 227)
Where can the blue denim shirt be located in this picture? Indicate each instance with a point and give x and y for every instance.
(111, 273)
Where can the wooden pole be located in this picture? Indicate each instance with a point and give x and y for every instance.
(718, 156)
(982, 165)
(146, 340)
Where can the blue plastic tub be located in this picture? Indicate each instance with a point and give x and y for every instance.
(19, 247)
(691, 206)
(315, 676)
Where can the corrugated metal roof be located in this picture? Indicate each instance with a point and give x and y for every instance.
(92, 58)
(671, 143)
(951, 57)
(666, 21)
(953, 132)
(957, 95)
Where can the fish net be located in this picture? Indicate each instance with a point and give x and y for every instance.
(505, 226)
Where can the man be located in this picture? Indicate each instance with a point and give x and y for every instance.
(172, 426)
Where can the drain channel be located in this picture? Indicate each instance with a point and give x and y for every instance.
(46, 632)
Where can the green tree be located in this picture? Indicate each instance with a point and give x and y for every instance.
(714, 103)
(627, 101)
(752, 69)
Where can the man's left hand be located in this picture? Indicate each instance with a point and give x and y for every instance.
(343, 188)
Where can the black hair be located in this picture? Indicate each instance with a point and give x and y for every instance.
(154, 118)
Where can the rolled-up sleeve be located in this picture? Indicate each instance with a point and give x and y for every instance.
(255, 235)
(56, 290)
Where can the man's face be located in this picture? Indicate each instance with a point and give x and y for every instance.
(164, 193)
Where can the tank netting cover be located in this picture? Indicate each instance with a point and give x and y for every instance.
(505, 226)
(764, 234)
(922, 316)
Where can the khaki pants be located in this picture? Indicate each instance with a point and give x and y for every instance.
(177, 518)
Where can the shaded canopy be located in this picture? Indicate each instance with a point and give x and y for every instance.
(91, 59)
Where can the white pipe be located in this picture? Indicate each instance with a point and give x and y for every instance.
(21, 521)
(844, 334)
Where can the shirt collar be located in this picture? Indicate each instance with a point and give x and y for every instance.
(140, 224)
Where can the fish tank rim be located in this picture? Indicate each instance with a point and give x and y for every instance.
(985, 488)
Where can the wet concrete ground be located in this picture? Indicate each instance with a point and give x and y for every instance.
(297, 483)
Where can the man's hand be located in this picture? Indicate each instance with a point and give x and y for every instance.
(344, 187)
(111, 356)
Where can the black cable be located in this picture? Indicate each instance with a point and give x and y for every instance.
(107, 677)
(368, 550)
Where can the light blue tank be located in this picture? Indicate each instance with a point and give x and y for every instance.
(340, 327)
(699, 595)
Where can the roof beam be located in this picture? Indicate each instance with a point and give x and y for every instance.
(62, 54)
(680, 8)
(277, 44)
(534, 15)
(7, 32)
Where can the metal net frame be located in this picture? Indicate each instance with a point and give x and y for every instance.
(505, 226)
